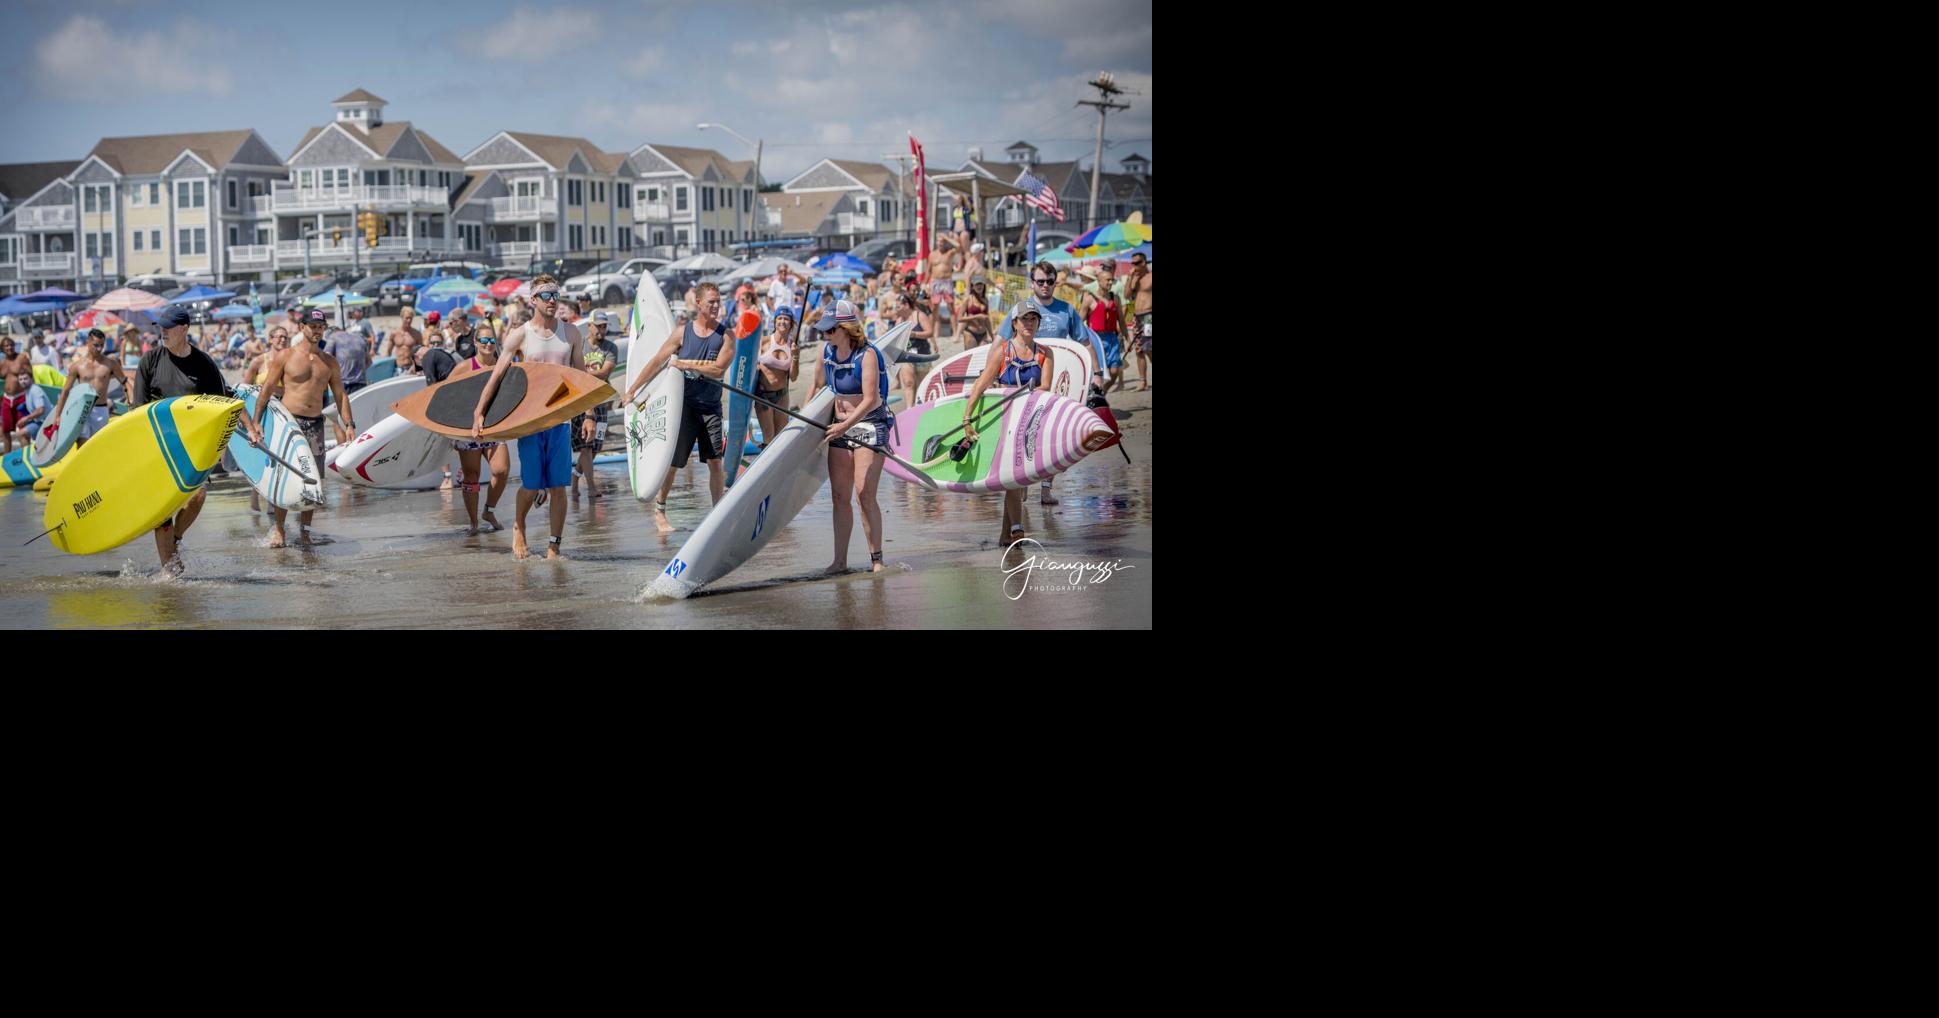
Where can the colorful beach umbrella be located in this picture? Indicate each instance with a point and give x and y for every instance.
(453, 292)
(94, 318)
(127, 299)
(1112, 237)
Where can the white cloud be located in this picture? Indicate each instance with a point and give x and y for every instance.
(638, 123)
(645, 62)
(71, 61)
(1104, 50)
(536, 33)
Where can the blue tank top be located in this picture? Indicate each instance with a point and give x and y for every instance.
(1020, 370)
(703, 394)
(845, 377)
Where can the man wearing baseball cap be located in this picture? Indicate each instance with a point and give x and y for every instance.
(602, 355)
(174, 367)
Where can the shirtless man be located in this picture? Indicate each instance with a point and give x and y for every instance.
(1137, 290)
(300, 376)
(403, 340)
(545, 458)
(92, 368)
(12, 361)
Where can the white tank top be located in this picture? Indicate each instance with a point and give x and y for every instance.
(546, 347)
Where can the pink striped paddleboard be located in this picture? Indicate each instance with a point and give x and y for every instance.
(1036, 436)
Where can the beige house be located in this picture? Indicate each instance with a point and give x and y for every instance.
(689, 200)
(541, 195)
(876, 206)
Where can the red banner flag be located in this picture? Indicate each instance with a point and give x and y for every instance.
(922, 211)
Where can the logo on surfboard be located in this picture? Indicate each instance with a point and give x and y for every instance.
(653, 422)
(760, 519)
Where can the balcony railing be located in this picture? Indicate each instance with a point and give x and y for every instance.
(260, 204)
(854, 222)
(652, 212)
(46, 217)
(378, 196)
(511, 249)
(252, 254)
(290, 252)
(520, 207)
(59, 261)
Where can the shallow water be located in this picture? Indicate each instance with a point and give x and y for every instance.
(402, 559)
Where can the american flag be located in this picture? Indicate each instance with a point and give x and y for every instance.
(1042, 196)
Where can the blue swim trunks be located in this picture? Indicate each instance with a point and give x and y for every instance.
(1113, 354)
(545, 459)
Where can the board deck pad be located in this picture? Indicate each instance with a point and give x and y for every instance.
(454, 404)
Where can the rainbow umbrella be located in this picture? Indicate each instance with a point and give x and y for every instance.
(94, 318)
(1112, 237)
(127, 299)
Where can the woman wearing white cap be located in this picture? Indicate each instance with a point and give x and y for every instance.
(860, 434)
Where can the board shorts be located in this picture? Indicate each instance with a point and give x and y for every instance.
(312, 429)
(350, 387)
(12, 409)
(467, 445)
(920, 347)
(879, 417)
(702, 426)
(1113, 350)
(96, 419)
(545, 459)
(1144, 332)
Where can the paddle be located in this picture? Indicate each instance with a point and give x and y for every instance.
(280, 461)
(921, 478)
(935, 442)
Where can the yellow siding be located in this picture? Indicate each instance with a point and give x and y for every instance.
(146, 216)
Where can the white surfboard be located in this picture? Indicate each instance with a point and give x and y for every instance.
(772, 492)
(392, 454)
(653, 421)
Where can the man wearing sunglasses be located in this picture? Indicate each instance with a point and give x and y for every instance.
(545, 458)
(1060, 321)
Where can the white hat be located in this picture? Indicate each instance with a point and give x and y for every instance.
(978, 246)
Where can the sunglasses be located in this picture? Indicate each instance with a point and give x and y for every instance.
(548, 295)
(1042, 282)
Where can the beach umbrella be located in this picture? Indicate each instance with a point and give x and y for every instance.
(837, 277)
(706, 261)
(196, 294)
(1112, 237)
(841, 260)
(230, 312)
(52, 294)
(505, 288)
(95, 318)
(127, 299)
(764, 267)
(449, 294)
(23, 306)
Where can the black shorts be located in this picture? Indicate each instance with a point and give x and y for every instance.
(779, 397)
(919, 347)
(353, 387)
(598, 415)
(701, 425)
(312, 429)
(852, 439)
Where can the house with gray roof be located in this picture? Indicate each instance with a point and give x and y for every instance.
(689, 200)
(878, 206)
(18, 183)
(542, 195)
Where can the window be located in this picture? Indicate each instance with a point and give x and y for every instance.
(154, 240)
(343, 176)
(680, 201)
(305, 179)
(862, 208)
(93, 244)
(680, 236)
(182, 241)
(232, 236)
(575, 192)
(706, 199)
(747, 199)
(182, 194)
(137, 196)
(138, 239)
(87, 201)
(232, 194)
(262, 235)
(625, 236)
(201, 241)
(107, 245)
(625, 197)
(575, 235)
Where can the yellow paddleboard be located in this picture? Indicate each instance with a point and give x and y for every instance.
(137, 471)
(53, 470)
(47, 374)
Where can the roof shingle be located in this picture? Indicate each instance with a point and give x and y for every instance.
(154, 152)
(21, 181)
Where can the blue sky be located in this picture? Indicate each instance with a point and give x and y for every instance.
(811, 79)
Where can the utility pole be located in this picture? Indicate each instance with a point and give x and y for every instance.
(1106, 88)
(902, 161)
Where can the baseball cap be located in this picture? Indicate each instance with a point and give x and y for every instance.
(175, 315)
(602, 318)
(842, 312)
(314, 316)
(431, 317)
(1029, 307)
(785, 311)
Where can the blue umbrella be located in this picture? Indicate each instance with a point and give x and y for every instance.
(52, 293)
(451, 293)
(842, 261)
(838, 277)
(23, 306)
(230, 311)
(199, 293)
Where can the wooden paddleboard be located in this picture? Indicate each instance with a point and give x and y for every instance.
(530, 399)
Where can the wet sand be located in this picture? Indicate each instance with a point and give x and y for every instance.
(402, 559)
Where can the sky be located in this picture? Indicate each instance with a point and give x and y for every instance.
(811, 79)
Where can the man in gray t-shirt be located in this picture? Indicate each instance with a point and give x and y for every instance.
(352, 352)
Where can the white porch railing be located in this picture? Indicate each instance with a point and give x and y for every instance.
(854, 222)
(771, 218)
(290, 199)
(524, 207)
(652, 212)
(516, 249)
(252, 254)
(260, 203)
(46, 217)
(59, 261)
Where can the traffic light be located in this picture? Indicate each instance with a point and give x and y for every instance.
(336, 236)
(370, 223)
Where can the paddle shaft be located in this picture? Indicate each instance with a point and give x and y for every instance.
(938, 439)
(280, 461)
(924, 478)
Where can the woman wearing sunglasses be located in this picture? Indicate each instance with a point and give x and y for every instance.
(1058, 321)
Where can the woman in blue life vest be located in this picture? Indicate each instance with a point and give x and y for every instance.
(1017, 361)
(860, 433)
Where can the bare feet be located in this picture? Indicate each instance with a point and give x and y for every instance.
(836, 569)
(446, 486)
(553, 552)
(173, 567)
(276, 537)
(303, 537)
(878, 568)
(660, 519)
(473, 532)
(493, 520)
(1044, 496)
(519, 550)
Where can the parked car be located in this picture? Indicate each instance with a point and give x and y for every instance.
(611, 282)
(404, 289)
(372, 285)
(160, 285)
(876, 252)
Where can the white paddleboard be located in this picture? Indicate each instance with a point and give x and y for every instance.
(783, 479)
(653, 421)
(393, 454)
